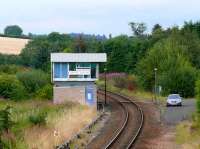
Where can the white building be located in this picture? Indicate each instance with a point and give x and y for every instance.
(74, 76)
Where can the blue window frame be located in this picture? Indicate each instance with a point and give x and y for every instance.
(60, 70)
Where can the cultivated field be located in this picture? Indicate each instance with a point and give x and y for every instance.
(12, 45)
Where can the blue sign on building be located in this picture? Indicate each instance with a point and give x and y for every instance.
(89, 95)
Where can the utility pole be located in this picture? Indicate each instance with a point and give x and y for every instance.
(105, 69)
(155, 87)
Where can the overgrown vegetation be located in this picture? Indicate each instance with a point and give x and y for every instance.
(38, 118)
(28, 123)
(11, 88)
(175, 52)
(33, 80)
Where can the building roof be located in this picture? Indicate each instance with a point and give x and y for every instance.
(78, 57)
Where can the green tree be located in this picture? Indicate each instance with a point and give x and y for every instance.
(36, 54)
(175, 72)
(79, 45)
(138, 28)
(124, 52)
(13, 30)
(156, 27)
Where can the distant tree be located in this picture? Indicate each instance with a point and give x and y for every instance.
(13, 30)
(110, 36)
(138, 28)
(124, 52)
(36, 54)
(192, 27)
(156, 27)
(80, 46)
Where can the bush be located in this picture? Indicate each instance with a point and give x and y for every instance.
(120, 82)
(11, 88)
(11, 69)
(38, 119)
(33, 80)
(46, 92)
(127, 82)
(5, 120)
(9, 59)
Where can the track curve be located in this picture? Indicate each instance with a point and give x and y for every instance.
(128, 131)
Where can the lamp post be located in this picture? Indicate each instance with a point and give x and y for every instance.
(105, 69)
(155, 87)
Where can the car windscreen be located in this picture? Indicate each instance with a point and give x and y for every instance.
(173, 96)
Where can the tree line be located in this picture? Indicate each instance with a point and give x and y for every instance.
(174, 51)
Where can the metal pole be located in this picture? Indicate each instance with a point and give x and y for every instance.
(105, 86)
(155, 71)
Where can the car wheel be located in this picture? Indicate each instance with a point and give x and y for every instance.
(180, 104)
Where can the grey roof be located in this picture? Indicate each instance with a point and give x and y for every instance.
(78, 57)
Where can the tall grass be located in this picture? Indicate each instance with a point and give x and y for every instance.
(187, 137)
(62, 122)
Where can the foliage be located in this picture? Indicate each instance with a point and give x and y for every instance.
(38, 119)
(175, 72)
(124, 52)
(192, 27)
(46, 92)
(79, 45)
(138, 28)
(36, 54)
(11, 69)
(13, 30)
(5, 120)
(33, 80)
(11, 88)
(9, 59)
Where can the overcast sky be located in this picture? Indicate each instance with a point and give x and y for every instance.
(95, 16)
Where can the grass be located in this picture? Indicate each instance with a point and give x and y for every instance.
(63, 121)
(187, 135)
(12, 45)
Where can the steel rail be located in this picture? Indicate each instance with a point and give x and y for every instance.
(135, 137)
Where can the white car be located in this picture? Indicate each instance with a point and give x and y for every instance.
(174, 100)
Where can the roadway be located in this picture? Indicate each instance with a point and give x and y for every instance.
(173, 115)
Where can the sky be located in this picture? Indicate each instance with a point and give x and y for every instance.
(95, 16)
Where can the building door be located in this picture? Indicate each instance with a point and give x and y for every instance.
(89, 95)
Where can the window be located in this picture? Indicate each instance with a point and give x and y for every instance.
(83, 65)
(93, 70)
(72, 66)
(60, 70)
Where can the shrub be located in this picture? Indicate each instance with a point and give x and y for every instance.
(33, 80)
(120, 82)
(131, 82)
(128, 82)
(46, 92)
(5, 119)
(11, 88)
(38, 119)
(9, 59)
(11, 69)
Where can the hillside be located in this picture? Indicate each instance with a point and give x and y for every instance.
(12, 45)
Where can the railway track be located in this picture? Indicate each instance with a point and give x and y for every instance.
(129, 126)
